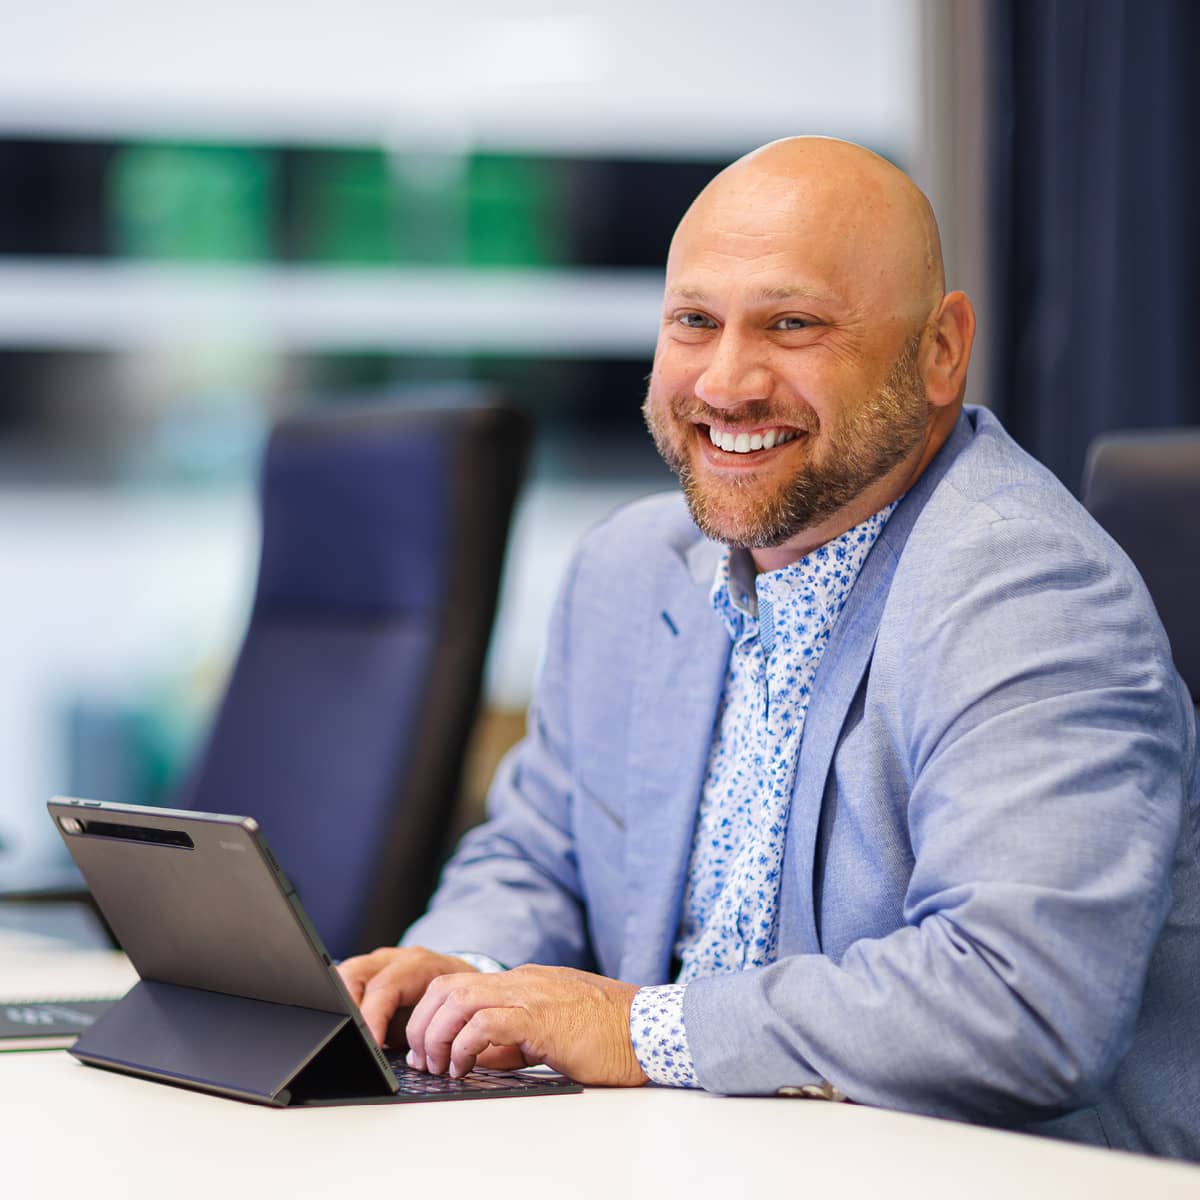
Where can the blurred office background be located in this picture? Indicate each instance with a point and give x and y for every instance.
(212, 215)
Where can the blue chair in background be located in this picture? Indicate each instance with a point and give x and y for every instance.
(345, 722)
(1143, 486)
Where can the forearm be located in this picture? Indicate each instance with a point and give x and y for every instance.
(930, 1019)
(1009, 992)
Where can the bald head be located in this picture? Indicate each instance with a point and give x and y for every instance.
(863, 221)
(809, 363)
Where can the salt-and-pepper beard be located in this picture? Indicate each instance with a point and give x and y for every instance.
(866, 442)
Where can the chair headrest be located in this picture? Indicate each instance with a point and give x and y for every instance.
(1143, 486)
(352, 502)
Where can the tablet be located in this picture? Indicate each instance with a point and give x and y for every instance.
(237, 994)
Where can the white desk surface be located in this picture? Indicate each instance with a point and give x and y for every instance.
(80, 1133)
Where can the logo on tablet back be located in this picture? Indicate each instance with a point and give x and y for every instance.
(232, 846)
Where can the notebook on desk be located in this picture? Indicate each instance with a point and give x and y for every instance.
(46, 1024)
(237, 995)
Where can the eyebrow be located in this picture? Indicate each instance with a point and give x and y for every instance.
(768, 295)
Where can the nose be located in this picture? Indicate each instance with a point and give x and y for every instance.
(734, 373)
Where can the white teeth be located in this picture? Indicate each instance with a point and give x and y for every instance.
(747, 443)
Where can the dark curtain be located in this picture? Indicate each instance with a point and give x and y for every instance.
(1095, 141)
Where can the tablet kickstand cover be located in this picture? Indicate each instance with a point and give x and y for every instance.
(252, 1049)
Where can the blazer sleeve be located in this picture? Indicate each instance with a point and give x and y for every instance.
(1049, 751)
(512, 889)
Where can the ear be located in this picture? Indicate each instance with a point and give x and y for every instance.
(950, 334)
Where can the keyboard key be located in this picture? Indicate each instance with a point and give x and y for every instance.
(481, 1082)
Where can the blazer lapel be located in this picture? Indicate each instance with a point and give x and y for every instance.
(846, 659)
(841, 671)
(683, 655)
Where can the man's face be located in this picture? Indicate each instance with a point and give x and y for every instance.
(785, 380)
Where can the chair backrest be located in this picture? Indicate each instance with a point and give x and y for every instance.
(1144, 488)
(344, 725)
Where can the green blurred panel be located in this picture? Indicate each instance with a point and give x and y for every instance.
(431, 209)
(351, 207)
(357, 207)
(517, 212)
(193, 203)
(343, 208)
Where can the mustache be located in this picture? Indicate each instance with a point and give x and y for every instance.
(751, 414)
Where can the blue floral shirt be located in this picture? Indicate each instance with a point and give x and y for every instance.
(780, 623)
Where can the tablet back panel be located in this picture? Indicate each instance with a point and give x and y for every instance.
(237, 994)
(196, 900)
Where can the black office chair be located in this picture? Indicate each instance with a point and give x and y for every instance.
(344, 725)
(1143, 486)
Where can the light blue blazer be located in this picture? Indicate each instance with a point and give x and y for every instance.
(991, 898)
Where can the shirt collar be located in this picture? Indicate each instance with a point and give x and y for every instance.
(737, 590)
(733, 594)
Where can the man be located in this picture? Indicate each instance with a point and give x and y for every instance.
(872, 778)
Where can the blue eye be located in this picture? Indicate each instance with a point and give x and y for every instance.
(788, 324)
(695, 320)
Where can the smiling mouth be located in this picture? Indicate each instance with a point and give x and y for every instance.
(750, 443)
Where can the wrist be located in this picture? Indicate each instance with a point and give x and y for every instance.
(632, 1073)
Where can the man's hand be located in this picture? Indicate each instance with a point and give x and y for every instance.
(386, 983)
(573, 1021)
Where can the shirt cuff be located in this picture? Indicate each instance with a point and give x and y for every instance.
(481, 962)
(659, 1037)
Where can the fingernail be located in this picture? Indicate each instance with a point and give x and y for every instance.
(411, 1059)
